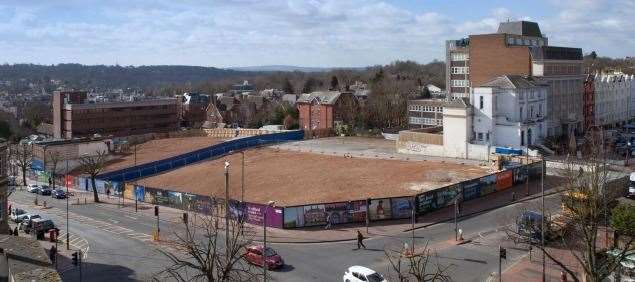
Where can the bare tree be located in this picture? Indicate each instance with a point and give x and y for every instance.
(586, 206)
(203, 255)
(54, 158)
(22, 157)
(93, 165)
(420, 267)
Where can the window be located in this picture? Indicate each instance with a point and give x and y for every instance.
(460, 70)
(519, 41)
(522, 138)
(459, 83)
(521, 112)
(510, 40)
(480, 102)
(460, 56)
(480, 136)
(487, 136)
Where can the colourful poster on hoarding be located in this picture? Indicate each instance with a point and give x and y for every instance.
(471, 189)
(204, 204)
(488, 184)
(237, 209)
(293, 217)
(338, 213)
(129, 191)
(401, 207)
(358, 211)
(189, 202)
(149, 195)
(445, 196)
(175, 199)
(161, 197)
(426, 202)
(379, 209)
(504, 180)
(68, 181)
(257, 212)
(139, 193)
(520, 174)
(314, 215)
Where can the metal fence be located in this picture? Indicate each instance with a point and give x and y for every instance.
(217, 150)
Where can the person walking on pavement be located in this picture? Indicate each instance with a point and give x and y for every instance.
(360, 240)
(328, 221)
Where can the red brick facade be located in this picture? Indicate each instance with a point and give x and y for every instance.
(491, 56)
(588, 111)
(315, 115)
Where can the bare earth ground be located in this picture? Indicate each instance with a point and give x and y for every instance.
(295, 178)
(158, 149)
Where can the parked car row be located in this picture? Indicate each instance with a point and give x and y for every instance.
(45, 190)
(31, 222)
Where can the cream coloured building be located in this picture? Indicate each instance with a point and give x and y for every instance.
(613, 98)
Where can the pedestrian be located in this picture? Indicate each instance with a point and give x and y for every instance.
(360, 240)
(328, 221)
(15, 231)
(53, 253)
(9, 208)
(513, 196)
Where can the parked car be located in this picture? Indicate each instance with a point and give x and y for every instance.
(631, 186)
(253, 255)
(16, 213)
(358, 273)
(33, 188)
(26, 221)
(39, 225)
(45, 190)
(58, 194)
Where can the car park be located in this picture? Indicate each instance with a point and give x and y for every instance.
(253, 255)
(16, 215)
(362, 274)
(45, 190)
(58, 194)
(33, 188)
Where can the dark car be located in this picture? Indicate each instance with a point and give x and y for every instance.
(45, 190)
(253, 255)
(58, 194)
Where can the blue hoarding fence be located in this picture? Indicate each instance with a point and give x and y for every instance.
(217, 150)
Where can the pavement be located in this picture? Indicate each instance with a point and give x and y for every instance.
(121, 248)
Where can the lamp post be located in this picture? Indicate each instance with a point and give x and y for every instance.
(242, 182)
(227, 207)
(68, 247)
(542, 218)
(264, 240)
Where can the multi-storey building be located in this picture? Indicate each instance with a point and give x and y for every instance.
(509, 111)
(425, 113)
(519, 48)
(588, 104)
(74, 117)
(612, 96)
(4, 187)
(321, 110)
(193, 109)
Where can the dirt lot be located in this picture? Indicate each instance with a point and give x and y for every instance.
(160, 149)
(293, 178)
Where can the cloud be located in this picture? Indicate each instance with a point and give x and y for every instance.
(300, 32)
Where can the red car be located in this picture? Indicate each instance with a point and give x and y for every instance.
(253, 255)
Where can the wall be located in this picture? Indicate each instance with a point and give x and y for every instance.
(456, 123)
(483, 121)
(491, 57)
(421, 137)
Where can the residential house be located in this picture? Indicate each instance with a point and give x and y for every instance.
(322, 110)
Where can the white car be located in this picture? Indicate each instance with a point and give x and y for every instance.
(16, 213)
(25, 217)
(33, 188)
(362, 274)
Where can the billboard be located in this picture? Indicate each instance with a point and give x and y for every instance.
(149, 195)
(161, 197)
(504, 180)
(471, 189)
(488, 184)
(426, 202)
(129, 191)
(339, 212)
(175, 199)
(204, 204)
(293, 217)
(379, 209)
(189, 202)
(445, 196)
(401, 207)
(139, 193)
(314, 215)
(520, 174)
(256, 214)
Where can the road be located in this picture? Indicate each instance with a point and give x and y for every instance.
(121, 249)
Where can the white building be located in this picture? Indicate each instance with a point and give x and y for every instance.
(613, 97)
(509, 111)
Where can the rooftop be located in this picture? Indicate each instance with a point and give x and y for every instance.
(323, 97)
(555, 53)
(513, 82)
(523, 28)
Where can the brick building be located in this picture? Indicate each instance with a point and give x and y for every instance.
(588, 102)
(74, 117)
(519, 48)
(424, 113)
(321, 110)
(193, 109)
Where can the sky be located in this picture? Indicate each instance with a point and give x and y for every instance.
(311, 33)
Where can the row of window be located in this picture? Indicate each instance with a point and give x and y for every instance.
(420, 108)
(460, 83)
(562, 69)
(425, 121)
(460, 70)
(524, 41)
(460, 56)
(480, 135)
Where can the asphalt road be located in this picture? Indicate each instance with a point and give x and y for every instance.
(121, 248)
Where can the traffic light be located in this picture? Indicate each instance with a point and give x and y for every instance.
(185, 217)
(156, 210)
(75, 258)
(503, 253)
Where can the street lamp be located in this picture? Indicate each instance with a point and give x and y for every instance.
(227, 208)
(264, 240)
(68, 247)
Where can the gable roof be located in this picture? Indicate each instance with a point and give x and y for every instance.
(523, 28)
(513, 82)
(323, 97)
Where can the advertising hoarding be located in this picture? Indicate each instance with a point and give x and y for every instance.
(401, 207)
(139, 193)
(504, 180)
(257, 212)
(293, 217)
(488, 184)
(314, 215)
(338, 212)
(379, 209)
(471, 189)
(426, 202)
(445, 196)
(520, 174)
